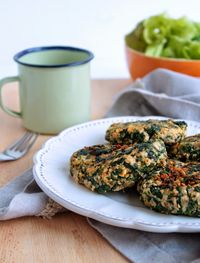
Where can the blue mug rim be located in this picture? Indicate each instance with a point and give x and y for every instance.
(43, 48)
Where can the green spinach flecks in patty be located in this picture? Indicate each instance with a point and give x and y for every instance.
(105, 168)
(170, 131)
(175, 190)
(187, 150)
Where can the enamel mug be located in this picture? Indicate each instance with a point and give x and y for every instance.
(54, 88)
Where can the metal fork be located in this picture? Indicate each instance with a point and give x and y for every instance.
(19, 148)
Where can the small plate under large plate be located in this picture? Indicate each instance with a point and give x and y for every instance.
(51, 172)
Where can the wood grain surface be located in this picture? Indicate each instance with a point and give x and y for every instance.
(66, 237)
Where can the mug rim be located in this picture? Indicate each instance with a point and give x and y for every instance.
(24, 52)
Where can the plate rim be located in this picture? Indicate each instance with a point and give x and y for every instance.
(133, 223)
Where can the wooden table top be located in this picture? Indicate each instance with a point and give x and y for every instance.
(66, 237)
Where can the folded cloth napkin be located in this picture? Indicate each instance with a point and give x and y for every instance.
(23, 197)
(161, 92)
(145, 247)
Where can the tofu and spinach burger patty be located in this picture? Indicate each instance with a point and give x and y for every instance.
(188, 149)
(170, 131)
(105, 168)
(174, 189)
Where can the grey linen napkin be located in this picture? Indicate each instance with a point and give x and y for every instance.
(162, 92)
(144, 247)
(23, 197)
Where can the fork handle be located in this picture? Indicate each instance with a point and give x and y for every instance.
(3, 106)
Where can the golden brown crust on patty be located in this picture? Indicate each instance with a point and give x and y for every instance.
(105, 168)
(174, 189)
(170, 131)
(188, 149)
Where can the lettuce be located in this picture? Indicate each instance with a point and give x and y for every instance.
(135, 39)
(156, 29)
(162, 36)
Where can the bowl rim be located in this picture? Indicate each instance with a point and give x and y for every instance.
(179, 60)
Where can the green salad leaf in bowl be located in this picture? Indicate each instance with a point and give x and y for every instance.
(163, 36)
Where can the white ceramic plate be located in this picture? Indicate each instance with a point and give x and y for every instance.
(51, 171)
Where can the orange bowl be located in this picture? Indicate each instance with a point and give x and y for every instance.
(139, 64)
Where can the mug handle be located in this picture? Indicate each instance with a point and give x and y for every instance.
(2, 105)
